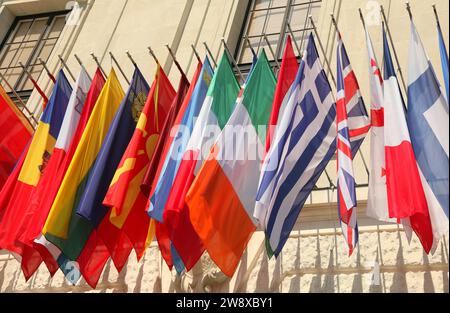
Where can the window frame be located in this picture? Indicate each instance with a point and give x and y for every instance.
(25, 93)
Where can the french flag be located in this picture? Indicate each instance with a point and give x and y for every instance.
(405, 194)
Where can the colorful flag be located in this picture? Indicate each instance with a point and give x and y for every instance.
(34, 215)
(286, 76)
(127, 201)
(116, 141)
(15, 132)
(176, 221)
(405, 194)
(304, 142)
(63, 227)
(34, 165)
(377, 205)
(352, 125)
(162, 148)
(222, 197)
(444, 60)
(214, 113)
(429, 130)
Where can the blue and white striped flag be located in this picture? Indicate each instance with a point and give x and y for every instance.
(428, 126)
(305, 141)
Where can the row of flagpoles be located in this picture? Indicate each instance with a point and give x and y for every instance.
(106, 171)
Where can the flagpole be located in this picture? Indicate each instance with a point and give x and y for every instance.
(196, 53)
(131, 58)
(98, 63)
(18, 98)
(339, 34)
(118, 66)
(210, 54)
(323, 50)
(66, 67)
(153, 55)
(408, 8)
(49, 74)
(271, 51)
(81, 64)
(250, 46)
(232, 59)
(293, 39)
(399, 70)
(175, 60)
(436, 16)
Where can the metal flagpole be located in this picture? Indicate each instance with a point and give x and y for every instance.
(250, 46)
(66, 67)
(399, 70)
(360, 152)
(196, 53)
(49, 74)
(131, 58)
(436, 16)
(209, 53)
(322, 49)
(153, 55)
(293, 39)
(118, 66)
(98, 63)
(408, 8)
(175, 60)
(81, 64)
(232, 59)
(271, 51)
(308, 13)
(18, 98)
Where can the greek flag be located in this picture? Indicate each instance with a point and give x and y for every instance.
(305, 140)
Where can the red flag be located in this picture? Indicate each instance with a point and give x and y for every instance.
(164, 142)
(286, 76)
(15, 132)
(48, 186)
(127, 224)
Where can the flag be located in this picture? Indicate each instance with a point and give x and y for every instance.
(444, 60)
(156, 166)
(304, 143)
(124, 196)
(15, 132)
(405, 194)
(377, 205)
(34, 215)
(222, 197)
(429, 130)
(214, 113)
(34, 165)
(175, 219)
(286, 76)
(352, 125)
(42, 199)
(63, 227)
(116, 141)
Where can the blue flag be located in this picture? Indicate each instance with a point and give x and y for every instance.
(428, 126)
(116, 141)
(444, 59)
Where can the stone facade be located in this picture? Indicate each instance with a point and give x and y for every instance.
(315, 257)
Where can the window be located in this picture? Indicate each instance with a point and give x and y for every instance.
(275, 19)
(29, 38)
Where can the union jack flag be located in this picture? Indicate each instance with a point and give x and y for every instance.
(352, 126)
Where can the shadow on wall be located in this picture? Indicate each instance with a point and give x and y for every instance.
(310, 262)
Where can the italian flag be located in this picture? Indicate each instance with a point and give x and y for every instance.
(217, 107)
(222, 197)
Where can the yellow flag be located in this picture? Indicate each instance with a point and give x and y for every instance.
(72, 186)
